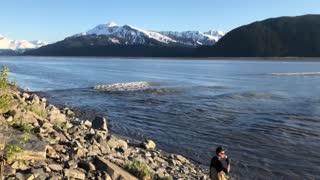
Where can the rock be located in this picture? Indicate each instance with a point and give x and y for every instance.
(38, 173)
(99, 123)
(148, 144)
(54, 114)
(22, 176)
(113, 170)
(55, 167)
(8, 170)
(35, 99)
(182, 159)
(32, 149)
(117, 143)
(20, 166)
(25, 95)
(87, 165)
(104, 148)
(172, 162)
(43, 99)
(87, 123)
(80, 152)
(10, 119)
(73, 173)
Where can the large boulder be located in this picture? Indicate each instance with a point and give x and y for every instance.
(54, 115)
(100, 123)
(113, 170)
(114, 143)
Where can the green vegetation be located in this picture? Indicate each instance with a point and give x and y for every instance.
(4, 83)
(5, 94)
(276, 37)
(12, 150)
(138, 169)
(19, 124)
(37, 110)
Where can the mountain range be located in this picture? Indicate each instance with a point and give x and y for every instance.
(275, 37)
(113, 40)
(12, 47)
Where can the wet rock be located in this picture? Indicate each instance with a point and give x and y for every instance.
(148, 144)
(74, 173)
(113, 170)
(55, 167)
(99, 123)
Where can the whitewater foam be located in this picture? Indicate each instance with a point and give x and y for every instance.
(296, 74)
(131, 86)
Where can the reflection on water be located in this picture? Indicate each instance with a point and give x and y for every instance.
(269, 124)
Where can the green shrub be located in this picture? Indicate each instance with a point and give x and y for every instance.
(11, 150)
(19, 124)
(37, 110)
(4, 83)
(5, 101)
(138, 169)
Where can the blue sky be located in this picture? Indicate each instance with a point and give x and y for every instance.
(53, 20)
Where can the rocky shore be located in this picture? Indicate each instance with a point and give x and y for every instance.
(41, 141)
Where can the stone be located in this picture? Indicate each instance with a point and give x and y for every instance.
(21, 176)
(99, 123)
(8, 170)
(87, 123)
(117, 143)
(25, 95)
(43, 99)
(80, 152)
(38, 172)
(113, 170)
(172, 162)
(35, 99)
(33, 149)
(54, 114)
(182, 159)
(148, 144)
(74, 173)
(55, 167)
(87, 165)
(104, 148)
(10, 119)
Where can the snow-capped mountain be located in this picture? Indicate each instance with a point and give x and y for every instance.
(18, 45)
(195, 38)
(131, 35)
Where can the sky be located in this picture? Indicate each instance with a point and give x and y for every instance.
(53, 20)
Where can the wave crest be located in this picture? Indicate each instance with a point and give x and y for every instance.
(132, 86)
(296, 74)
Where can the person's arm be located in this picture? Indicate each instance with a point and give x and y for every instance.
(228, 165)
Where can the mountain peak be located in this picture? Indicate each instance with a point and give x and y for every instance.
(111, 24)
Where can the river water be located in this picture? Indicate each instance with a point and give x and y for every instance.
(265, 113)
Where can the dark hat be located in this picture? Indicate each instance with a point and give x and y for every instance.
(219, 150)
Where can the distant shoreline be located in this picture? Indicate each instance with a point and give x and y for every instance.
(297, 59)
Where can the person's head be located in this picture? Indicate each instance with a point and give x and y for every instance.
(220, 152)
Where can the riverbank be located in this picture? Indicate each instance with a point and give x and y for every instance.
(41, 141)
